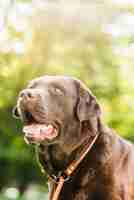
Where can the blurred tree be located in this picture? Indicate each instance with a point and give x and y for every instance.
(61, 44)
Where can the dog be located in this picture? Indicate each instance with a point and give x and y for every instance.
(60, 116)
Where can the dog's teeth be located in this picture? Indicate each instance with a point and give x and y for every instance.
(39, 132)
(50, 126)
(46, 128)
(31, 129)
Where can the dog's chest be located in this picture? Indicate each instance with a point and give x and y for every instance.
(72, 192)
(77, 188)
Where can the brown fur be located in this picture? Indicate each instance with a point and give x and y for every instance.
(107, 172)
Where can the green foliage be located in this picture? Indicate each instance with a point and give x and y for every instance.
(56, 49)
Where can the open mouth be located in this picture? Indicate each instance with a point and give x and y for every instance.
(36, 132)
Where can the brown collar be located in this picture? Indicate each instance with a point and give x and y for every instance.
(71, 168)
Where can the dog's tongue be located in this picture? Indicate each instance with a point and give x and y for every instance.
(39, 132)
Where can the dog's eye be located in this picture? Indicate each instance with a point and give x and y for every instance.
(58, 91)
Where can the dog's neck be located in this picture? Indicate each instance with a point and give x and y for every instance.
(54, 159)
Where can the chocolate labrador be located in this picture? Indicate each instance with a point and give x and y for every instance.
(60, 114)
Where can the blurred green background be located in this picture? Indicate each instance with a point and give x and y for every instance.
(93, 41)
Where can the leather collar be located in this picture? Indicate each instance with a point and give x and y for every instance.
(68, 172)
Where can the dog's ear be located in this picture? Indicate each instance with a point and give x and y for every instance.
(15, 113)
(88, 109)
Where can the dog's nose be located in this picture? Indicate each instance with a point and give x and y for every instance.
(26, 94)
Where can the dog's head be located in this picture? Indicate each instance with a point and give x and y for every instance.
(57, 109)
